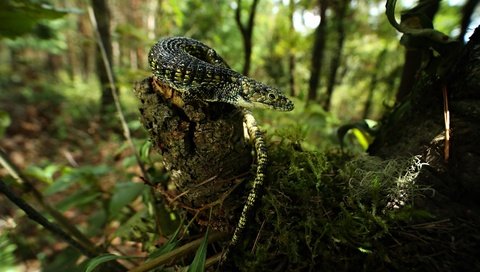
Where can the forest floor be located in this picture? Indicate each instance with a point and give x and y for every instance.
(48, 135)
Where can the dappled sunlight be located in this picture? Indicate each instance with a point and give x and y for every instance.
(117, 157)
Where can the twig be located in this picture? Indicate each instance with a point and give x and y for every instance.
(213, 260)
(258, 237)
(37, 217)
(446, 117)
(14, 171)
(183, 250)
(86, 246)
(118, 107)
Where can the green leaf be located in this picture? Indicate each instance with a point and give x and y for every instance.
(78, 199)
(198, 263)
(361, 138)
(177, 10)
(145, 151)
(77, 175)
(127, 226)
(44, 174)
(19, 17)
(5, 122)
(7, 252)
(103, 259)
(129, 161)
(167, 247)
(66, 260)
(364, 250)
(123, 194)
(360, 129)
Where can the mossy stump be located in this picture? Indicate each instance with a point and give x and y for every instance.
(203, 147)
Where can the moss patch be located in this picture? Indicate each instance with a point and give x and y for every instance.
(330, 211)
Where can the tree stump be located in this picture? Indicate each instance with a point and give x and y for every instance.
(203, 147)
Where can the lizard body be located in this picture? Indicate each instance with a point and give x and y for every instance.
(199, 73)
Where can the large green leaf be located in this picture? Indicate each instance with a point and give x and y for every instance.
(77, 199)
(88, 174)
(361, 129)
(123, 194)
(103, 259)
(167, 247)
(198, 263)
(19, 17)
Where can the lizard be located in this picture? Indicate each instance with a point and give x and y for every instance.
(199, 73)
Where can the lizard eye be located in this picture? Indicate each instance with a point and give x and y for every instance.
(272, 96)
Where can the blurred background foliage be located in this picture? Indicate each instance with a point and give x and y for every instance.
(50, 97)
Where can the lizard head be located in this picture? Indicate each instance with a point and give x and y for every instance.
(258, 95)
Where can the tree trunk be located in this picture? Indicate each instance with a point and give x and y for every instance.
(204, 148)
(340, 12)
(102, 16)
(317, 53)
(247, 31)
(291, 51)
(417, 127)
(87, 52)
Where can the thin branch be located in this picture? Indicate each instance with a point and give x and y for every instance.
(181, 251)
(52, 228)
(40, 219)
(118, 106)
(213, 260)
(238, 18)
(253, 9)
(446, 118)
(14, 171)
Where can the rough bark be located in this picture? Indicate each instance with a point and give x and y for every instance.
(202, 146)
(317, 53)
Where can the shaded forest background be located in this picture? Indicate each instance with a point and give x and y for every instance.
(59, 125)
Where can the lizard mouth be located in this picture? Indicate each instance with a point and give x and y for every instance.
(287, 106)
(279, 106)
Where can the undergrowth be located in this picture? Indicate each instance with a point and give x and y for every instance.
(332, 211)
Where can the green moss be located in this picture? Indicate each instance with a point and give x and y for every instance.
(326, 211)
